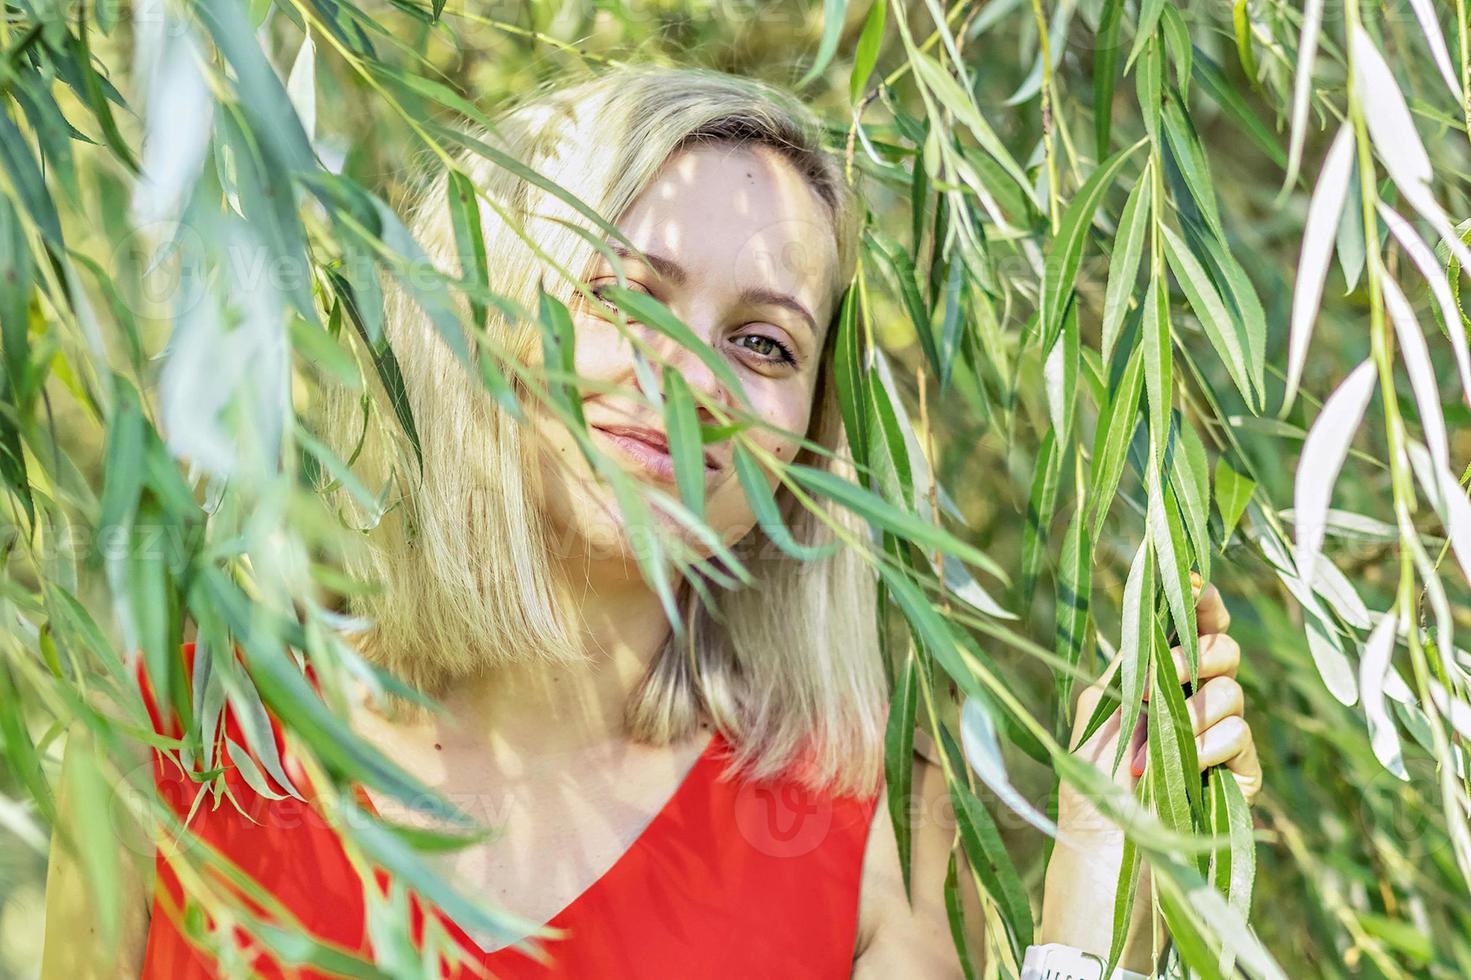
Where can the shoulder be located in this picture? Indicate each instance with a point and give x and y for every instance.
(906, 931)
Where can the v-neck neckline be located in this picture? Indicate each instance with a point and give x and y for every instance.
(707, 757)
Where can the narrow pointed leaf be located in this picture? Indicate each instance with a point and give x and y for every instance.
(1123, 266)
(1323, 453)
(1317, 247)
(1373, 668)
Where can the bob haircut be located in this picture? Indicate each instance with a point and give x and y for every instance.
(789, 667)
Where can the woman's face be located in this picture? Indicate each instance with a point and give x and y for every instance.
(741, 249)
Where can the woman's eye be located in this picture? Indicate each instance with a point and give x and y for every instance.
(600, 292)
(767, 347)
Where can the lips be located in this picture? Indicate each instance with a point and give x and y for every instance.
(650, 448)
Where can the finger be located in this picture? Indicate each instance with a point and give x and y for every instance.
(1218, 699)
(1219, 656)
(1250, 783)
(1211, 615)
(1228, 742)
(1235, 748)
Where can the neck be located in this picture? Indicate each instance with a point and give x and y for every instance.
(539, 709)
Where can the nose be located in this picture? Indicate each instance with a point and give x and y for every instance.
(694, 367)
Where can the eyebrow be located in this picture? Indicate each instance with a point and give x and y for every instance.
(674, 272)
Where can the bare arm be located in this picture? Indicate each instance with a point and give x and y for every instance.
(74, 946)
(898, 938)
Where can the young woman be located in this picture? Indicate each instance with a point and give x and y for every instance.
(710, 807)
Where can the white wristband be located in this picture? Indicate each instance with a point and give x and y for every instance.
(1055, 961)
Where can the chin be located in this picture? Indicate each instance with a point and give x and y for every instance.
(591, 527)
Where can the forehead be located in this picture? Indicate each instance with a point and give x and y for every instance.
(738, 217)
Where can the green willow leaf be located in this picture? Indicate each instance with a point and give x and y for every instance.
(686, 447)
(1135, 643)
(1066, 250)
(1105, 73)
(1233, 493)
(464, 208)
(866, 55)
(54, 138)
(25, 177)
(955, 915)
(1172, 768)
(1240, 297)
(1233, 870)
(950, 320)
(992, 864)
(1041, 504)
(123, 457)
(1177, 43)
(1185, 932)
(255, 724)
(90, 804)
(428, 88)
(96, 90)
(1173, 551)
(263, 98)
(558, 344)
(1149, 83)
(890, 518)
(899, 761)
(1214, 83)
(1190, 160)
(891, 467)
(249, 771)
(1125, 893)
(1149, 14)
(15, 300)
(385, 363)
(929, 627)
(530, 175)
(1123, 266)
(1111, 441)
(1158, 373)
(1189, 480)
(651, 312)
(1060, 375)
(852, 379)
(768, 514)
(1074, 585)
(24, 762)
(1225, 335)
(12, 455)
(900, 267)
(285, 690)
(1245, 49)
(957, 100)
(392, 853)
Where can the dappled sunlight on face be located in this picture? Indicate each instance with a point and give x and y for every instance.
(740, 247)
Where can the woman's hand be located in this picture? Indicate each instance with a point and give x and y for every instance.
(1082, 877)
(1222, 735)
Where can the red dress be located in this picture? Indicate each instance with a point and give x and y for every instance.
(731, 878)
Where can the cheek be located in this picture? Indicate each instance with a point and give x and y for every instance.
(789, 414)
(792, 413)
(603, 353)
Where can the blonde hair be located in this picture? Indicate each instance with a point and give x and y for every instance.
(789, 667)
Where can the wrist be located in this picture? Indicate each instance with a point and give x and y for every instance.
(1080, 819)
(1059, 961)
(1079, 892)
